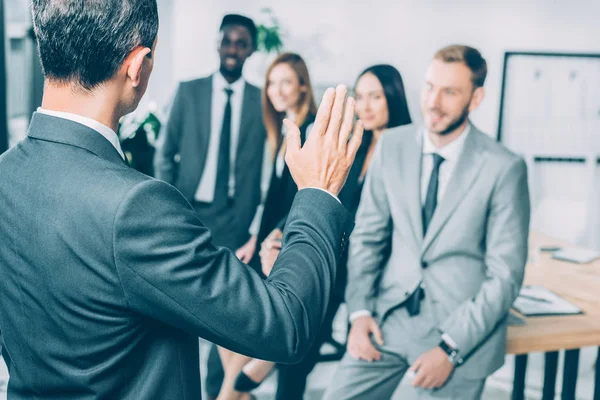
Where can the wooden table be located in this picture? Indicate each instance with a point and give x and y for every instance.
(580, 284)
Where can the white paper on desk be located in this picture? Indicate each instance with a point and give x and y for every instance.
(554, 304)
(576, 255)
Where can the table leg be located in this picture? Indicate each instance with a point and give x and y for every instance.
(570, 374)
(550, 370)
(519, 381)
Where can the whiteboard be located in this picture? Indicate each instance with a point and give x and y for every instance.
(550, 104)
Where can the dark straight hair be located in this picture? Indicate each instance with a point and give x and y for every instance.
(3, 88)
(393, 88)
(85, 42)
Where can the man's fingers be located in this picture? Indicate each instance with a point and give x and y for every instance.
(356, 140)
(333, 128)
(346, 125)
(416, 365)
(377, 335)
(292, 137)
(419, 379)
(370, 349)
(323, 113)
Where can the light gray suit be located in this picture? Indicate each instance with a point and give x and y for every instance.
(471, 262)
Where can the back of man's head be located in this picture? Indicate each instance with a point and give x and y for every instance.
(84, 42)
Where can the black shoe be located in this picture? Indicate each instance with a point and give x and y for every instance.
(243, 383)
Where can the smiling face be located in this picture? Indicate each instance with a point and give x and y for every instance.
(371, 103)
(235, 47)
(284, 88)
(448, 96)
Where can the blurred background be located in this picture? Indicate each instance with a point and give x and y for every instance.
(338, 39)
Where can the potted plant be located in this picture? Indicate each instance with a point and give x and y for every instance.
(269, 45)
(138, 134)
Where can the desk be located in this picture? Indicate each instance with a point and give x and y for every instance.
(580, 284)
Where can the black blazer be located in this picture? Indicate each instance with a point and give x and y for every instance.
(280, 197)
(108, 278)
(350, 198)
(350, 194)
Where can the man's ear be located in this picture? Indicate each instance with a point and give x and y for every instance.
(135, 63)
(477, 98)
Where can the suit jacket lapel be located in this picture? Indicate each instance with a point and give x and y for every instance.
(60, 130)
(467, 169)
(411, 173)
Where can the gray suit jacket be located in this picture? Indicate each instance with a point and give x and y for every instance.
(181, 155)
(472, 258)
(108, 276)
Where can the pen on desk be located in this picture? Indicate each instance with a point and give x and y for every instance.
(534, 298)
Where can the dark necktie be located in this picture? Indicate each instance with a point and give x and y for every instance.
(223, 165)
(432, 192)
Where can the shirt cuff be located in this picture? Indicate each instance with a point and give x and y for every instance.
(446, 338)
(358, 314)
(329, 193)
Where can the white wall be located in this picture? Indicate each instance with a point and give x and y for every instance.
(339, 39)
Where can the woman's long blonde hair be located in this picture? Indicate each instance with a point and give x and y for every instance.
(273, 119)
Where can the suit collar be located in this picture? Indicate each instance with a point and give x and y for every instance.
(450, 152)
(102, 129)
(220, 83)
(60, 130)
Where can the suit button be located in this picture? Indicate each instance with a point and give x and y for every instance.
(424, 264)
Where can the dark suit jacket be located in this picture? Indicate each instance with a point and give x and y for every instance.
(282, 190)
(181, 155)
(350, 198)
(108, 276)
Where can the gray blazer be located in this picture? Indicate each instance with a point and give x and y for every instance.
(471, 260)
(108, 277)
(181, 155)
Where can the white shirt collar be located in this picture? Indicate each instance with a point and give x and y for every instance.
(102, 129)
(220, 83)
(450, 152)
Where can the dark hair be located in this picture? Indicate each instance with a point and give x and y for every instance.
(469, 56)
(236, 19)
(393, 88)
(85, 42)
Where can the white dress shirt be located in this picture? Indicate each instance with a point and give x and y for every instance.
(206, 187)
(451, 154)
(102, 129)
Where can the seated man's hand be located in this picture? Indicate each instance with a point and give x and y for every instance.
(432, 369)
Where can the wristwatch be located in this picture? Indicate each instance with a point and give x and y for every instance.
(452, 353)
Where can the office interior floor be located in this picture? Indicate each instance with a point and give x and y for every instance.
(498, 387)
